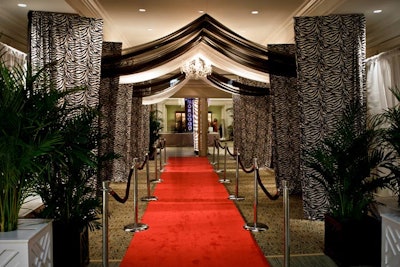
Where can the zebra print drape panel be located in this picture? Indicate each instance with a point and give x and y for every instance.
(108, 103)
(286, 135)
(74, 45)
(330, 52)
(252, 128)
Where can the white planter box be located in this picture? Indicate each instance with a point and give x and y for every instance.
(30, 245)
(390, 240)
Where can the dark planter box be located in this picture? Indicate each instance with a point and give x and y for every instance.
(353, 242)
(70, 245)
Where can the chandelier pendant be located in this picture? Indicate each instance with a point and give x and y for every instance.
(196, 68)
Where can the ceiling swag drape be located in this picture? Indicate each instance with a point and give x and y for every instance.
(154, 68)
(330, 52)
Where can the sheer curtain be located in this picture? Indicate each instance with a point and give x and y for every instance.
(383, 73)
(11, 56)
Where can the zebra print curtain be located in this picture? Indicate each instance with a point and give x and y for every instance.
(252, 118)
(74, 44)
(330, 52)
(108, 97)
(286, 135)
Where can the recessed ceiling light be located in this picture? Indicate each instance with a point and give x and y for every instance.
(142, 10)
(201, 11)
(377, 11)
(149, 29)
(254, 12)
(22, 5)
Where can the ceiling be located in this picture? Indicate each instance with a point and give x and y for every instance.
(123, 22)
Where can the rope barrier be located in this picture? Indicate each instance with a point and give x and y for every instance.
(224, 180)
(236, 195)
(149, 197)
(128, 185)
(156, 179)
(268, 194)
(135, 226)
(255, 226)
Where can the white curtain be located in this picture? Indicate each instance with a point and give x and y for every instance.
(383, 73)
(11, 56)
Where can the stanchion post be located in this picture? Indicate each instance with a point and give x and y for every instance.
(236, 195)
(148, 197)
(224, 180)
(286, 223)
(106, 190)
(135, 226)
(255, 226)
(218, 169)
(160, 149)
(165, 151)
(213, 155)
(156, 179)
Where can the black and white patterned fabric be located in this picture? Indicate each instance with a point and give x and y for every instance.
(74, 44)
(252, 128)
(286, 134)
(108, 97)
(330, 52)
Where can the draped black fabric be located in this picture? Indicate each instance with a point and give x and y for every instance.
(210, 32)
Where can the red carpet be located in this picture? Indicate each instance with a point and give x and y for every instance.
(193, 223)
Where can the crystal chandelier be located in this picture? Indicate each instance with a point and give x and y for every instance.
(196, 68)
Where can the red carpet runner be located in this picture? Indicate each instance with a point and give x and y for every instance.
(193, 223)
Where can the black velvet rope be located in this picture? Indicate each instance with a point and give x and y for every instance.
(250, 170)
(268, 194)
(230, 153)
(125, 198)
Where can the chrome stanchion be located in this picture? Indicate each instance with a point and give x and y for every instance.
(236, 195)
(156, 179)
(255, 226)
(135, 226)
(165, 151)
(106, 190)
(148, 197)
(286, 224)
(213, 155)
(160, 151)
(224, 180)
(218, 170)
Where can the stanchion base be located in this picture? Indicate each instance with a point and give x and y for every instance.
(156, 181)
(219, 171)
(233, 197)
(136, 227)
(161, 170)
(149, 198)
(213, 163)
(225, 181)
(255, 227)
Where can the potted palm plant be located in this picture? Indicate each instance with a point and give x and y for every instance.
(155, 128)
(391, 119)
(347, 164)
(23, 137)
(68, 188)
